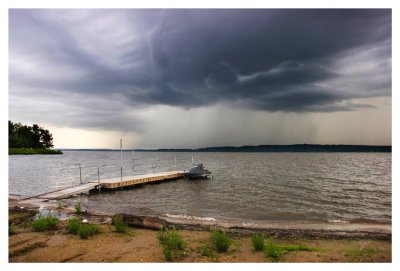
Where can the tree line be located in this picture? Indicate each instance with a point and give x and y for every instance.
(24, 136)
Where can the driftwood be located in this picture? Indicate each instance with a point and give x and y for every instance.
(143, 221)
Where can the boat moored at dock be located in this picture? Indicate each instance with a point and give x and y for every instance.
(199, 171)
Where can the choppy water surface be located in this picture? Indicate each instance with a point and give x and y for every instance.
(353, 187)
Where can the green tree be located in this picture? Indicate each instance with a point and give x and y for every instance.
(23, 136)
(11, 134)
(36, 136)
(46, 138)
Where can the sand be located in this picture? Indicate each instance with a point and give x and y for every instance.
(141, 245)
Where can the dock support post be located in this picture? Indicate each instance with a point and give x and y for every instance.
(80, 173)
(133, 162)
(120, 147)
(98, 178)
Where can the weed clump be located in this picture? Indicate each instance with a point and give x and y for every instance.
(119, 224)
(87, 230)
(84, 230)
(78, 207)
(44, 223)
(275, 251)
(298, 248)
(220, 241)
(73, 226)
(258, 242)
(172, 243)
(11, 230)
(209, 251)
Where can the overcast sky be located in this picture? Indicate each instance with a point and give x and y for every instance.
(196, 78)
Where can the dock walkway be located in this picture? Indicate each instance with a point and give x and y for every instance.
(141, 179)
(113, 183)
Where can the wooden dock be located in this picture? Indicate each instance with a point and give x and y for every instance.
(141, 179)
(68, 192)
(114, 183)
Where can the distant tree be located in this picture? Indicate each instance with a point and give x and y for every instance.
(23, 136)
(46, 139)
(36, 135)
(11, 134)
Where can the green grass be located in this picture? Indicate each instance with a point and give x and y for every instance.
(78, 208)
(44, 223)
(172, 243)
(220, 241)
(16, 151)
(73, 226)
(258, 242)
(84, 230)
(362, 252)
(12, 230)
(87, 230)
(275, 252)
(119, 225)
(209, 251)
(298, 248)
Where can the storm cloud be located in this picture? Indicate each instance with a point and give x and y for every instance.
(99, 69)
(273, 60)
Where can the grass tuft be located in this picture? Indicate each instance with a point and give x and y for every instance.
(172, 243)
(44, 223)
(12, 230)
(258, 242)
(209, 251)
(362, 252)
(220, 241)
(119, 224)
(78, 207)
(86, 230)
(275, 252)
(73, 226)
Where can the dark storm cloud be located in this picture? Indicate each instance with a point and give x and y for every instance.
(271, 60)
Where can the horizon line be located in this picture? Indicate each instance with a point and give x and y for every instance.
(226, 146)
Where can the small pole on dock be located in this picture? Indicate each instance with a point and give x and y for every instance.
(175, 162)
(98, 178)
(120, 147)
(192, 161)
(80, 173)
(133, 162)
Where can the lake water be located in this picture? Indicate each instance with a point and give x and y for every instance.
(260, 187)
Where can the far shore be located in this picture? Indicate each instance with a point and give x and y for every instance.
(334, 242)
(32, 151)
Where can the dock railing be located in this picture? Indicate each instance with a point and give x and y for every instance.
(84, 172)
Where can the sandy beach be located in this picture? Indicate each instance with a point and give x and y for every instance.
(140, 244)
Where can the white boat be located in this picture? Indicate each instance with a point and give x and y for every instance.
(199, 171)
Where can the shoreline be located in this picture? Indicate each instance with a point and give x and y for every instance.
(33, 151)
(326, 230)
(330, 243)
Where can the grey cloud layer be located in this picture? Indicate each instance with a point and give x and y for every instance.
(271, 60)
